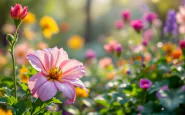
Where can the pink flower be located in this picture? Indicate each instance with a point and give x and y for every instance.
(137, 25)
(119, 24)
(126, 15)
(182, 44)
(21, 51)
(105, 62)
(150, 17)
(182, 29)
(148, 35)
(181, 15)
(90, 54)
(56, 72)
(145, 83)
(110, 47)
(18, 13)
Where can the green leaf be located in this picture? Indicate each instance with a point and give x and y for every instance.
(88, 102)
(24, 86)
(172, 99)
(103, 102)
(11, 100)
(73, 110)
(157, 86)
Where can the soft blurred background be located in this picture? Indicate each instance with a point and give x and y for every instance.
(80, 24)
(86, 29)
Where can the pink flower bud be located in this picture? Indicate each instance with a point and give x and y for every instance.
(182, 44)
(18, 13)
(118, 48)
(119, 24)
(137, 25)
(150, 17)
(126, 15)
(145, 42)
(90, 54)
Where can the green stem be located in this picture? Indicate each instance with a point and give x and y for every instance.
(144, 100)
(13, 61)
(14, 71)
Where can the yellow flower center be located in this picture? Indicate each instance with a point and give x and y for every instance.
(55, 74)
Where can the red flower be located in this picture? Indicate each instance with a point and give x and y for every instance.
(18, 13)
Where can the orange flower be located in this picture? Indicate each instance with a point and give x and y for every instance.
(110, 75)
(22, 74)
(168, 48)
(177, 54)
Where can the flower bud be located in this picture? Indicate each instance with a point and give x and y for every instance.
(145, 42)
(10, 38)
(182, 44)
(18, 13)
(126, 16)
(150, 17)
(90, 54)
(118, 49)
(137, 25)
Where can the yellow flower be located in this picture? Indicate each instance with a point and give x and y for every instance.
(81, 92)
(48, 26)
(28, 34)
(22, 74)
(29, 19)
(3, 112)
(75, 42)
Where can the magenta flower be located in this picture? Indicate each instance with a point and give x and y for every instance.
(150, 17)
(182, 44)
(145, 84)
(18, 13)
(126, 15)
(119, 24)
(137, 25)
(56, 72)
(145, 42)
(90, 54)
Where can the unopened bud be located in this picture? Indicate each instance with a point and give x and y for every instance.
(10, 38)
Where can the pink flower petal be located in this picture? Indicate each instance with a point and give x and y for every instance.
(47, 90)
(72, 69)
(62, 56)
(76, 82)
(37, 60)
(68, 90)
(35, 82)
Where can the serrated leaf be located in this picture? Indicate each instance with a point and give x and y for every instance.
(11, 100)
